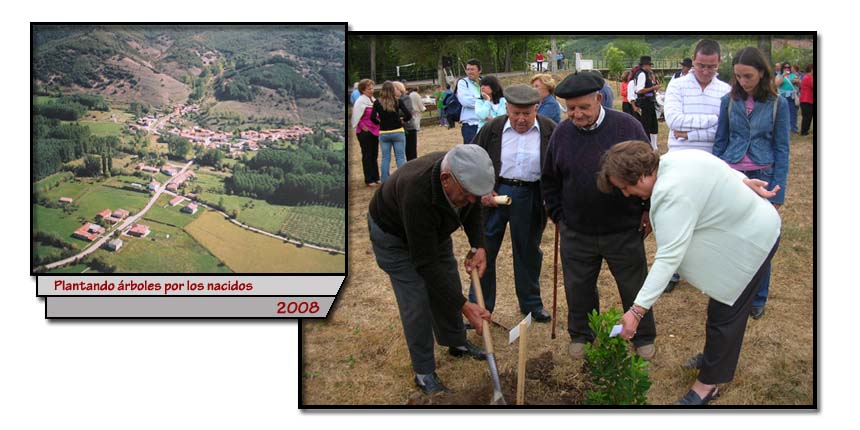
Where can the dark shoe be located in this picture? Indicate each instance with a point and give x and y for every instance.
(431, 385)
(541, 316)
(695, 362)
(693, 399)
(757, 312)
(671, 286)
(469, 349)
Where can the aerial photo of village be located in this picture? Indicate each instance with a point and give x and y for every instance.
(188, 149)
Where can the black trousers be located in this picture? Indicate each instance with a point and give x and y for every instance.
(423, 316)
(626, 107)
(369, 154)
(581, 257)
(807, 112)
(724, 330)
(649, 114)
(411, 144)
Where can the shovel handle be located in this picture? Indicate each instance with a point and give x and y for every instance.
(476, 282)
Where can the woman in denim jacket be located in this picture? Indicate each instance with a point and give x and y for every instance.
(753, 134)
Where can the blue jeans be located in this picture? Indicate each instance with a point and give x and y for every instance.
(792, 114)
(386, 141)
(468, 132)
(527, 220)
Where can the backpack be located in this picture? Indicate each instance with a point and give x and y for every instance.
(452, 106)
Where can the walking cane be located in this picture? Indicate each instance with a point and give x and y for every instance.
(554, 281)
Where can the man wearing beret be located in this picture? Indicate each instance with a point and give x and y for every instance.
(594, 226)
(516, 143)
(411, 218)
(646, 88)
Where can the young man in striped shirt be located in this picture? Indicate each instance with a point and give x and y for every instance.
(692, 106)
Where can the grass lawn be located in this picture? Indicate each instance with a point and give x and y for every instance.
(77, 268)
(244, 251)
(158, 253)
(162, 212)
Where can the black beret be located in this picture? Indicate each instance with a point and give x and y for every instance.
(521, 95)
(644, 60)
(579, 84)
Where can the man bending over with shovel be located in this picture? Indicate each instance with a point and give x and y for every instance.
(411, 218)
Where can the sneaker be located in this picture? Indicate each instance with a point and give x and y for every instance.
(431, 384)
(757, 312)
(576, 350)
(647, 352)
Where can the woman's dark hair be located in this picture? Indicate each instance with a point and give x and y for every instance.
(495, 87)
(808, 68)
(751, 56)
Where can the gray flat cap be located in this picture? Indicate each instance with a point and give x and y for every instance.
(521, 95)
(579, 84)
(473, 169)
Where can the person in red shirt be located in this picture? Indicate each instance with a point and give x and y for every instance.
(807, 101)
(539, 61)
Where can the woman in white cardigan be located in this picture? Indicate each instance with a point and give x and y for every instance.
(713, 227)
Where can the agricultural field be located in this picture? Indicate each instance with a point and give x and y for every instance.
(245, 251)
(167, 249)
(320, 225)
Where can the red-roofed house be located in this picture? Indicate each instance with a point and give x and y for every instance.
(139, 230)
(190, 208)
(120, 213)
(66, 199)
(103, 214)
(176, 200)
(88, 231)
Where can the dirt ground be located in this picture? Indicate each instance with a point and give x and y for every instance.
(358, 355)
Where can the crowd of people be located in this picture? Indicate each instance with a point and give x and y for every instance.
(712, 201)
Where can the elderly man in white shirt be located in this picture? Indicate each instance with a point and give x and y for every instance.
(516, 143)
(713, 230)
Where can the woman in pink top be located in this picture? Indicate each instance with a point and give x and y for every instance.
(367, 132)
(807, 101)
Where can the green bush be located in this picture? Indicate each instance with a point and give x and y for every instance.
(617, 377)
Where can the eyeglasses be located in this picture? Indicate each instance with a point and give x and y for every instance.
(706, 66)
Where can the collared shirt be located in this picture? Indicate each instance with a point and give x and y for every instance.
(521, 153)
(468, 92)
(596, 123)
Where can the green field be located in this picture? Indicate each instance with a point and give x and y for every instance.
(316, 224)
(104, 128)
(51, 181)
(91, 198)
(320, 225)
(244, 251)
(77, 268)
(162, 212)
(158, 253)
